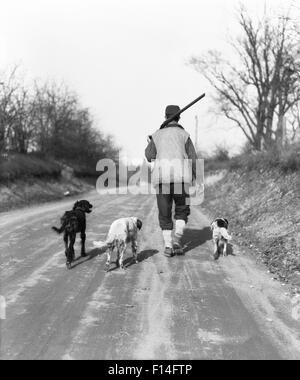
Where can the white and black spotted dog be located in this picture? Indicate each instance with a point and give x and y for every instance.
(221, 237)
(122, 232)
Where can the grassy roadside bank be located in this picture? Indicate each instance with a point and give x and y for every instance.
(30, 179)
(23, 193)
(263, 209)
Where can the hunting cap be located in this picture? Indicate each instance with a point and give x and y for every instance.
(172, 110)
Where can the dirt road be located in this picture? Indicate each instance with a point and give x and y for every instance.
(182, 308)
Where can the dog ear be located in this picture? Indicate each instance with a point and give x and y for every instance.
(213, 224)
(86, 206)
(226, 222)
(139, 224)
(75, 205)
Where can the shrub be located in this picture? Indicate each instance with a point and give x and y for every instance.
(286, 160)
(19, 166)
(219, 160)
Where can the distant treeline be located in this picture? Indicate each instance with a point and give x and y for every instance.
(47, 119)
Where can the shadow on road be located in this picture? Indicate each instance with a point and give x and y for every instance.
(193, 238)
(142, 256)
(90, 256)
(230, 251)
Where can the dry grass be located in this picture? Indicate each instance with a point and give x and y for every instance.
(285, 160)
(262, 207)
(18, 166)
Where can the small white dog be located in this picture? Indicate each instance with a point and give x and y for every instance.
(122, 232)
(220, 237)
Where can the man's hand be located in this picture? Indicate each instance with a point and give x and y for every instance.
(150, 152)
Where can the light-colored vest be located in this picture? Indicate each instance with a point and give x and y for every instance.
(171, 165)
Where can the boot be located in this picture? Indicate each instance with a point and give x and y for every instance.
(177, 245)
(169, 252)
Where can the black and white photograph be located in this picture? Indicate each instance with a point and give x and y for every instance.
(149, 182)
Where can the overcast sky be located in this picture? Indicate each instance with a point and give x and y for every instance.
(126, 59)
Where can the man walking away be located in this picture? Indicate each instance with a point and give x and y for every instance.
(170, 147)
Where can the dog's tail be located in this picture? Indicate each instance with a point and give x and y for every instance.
(59, 230)
(101, 244)
(109, 242)
(225, 234)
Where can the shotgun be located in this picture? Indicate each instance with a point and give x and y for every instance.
(166, 122)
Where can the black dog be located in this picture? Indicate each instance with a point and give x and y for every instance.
(72, 223)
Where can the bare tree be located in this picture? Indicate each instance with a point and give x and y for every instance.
(262, 84)
(294, 122)
(55, 107)
(48, 119)
(16, 114)
(8, 90)
(24, 129)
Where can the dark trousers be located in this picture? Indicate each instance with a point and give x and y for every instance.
(166, 194)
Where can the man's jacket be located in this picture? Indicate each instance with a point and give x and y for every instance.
(171, 148)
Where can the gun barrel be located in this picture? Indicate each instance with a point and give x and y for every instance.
(166, 122)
